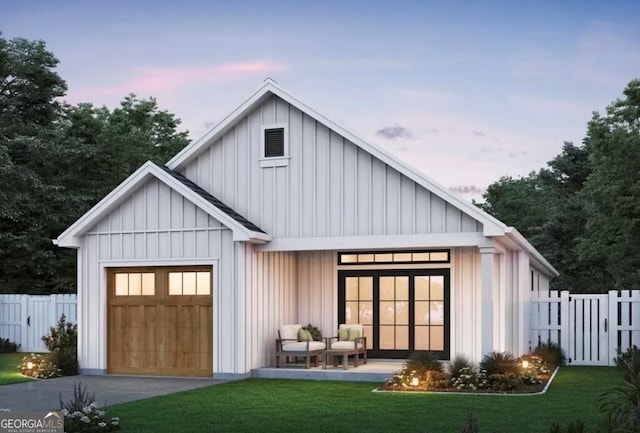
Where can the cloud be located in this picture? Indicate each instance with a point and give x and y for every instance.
(467, 189)
(158, 80)
(478, 133)
(393, 132)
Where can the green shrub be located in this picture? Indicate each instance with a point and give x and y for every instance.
(62, 342)
(504, 381)
(499, 363)
(536, 369)
(628, 361)
(8, 346)
(551, 353)
(470, 378)
(81, 414)
(424, 360)
(64, 337)
(458, 363)
(621, 406)
(574, 426)
(39, 366)
(316, 335)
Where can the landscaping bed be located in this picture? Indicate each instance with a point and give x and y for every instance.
(497, 373)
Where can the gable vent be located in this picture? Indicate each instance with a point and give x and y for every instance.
(274, 142)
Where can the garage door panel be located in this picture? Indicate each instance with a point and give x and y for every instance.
(159, 334)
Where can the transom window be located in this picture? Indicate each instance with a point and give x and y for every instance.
(189, 283)
(381, 257)
(135, 283)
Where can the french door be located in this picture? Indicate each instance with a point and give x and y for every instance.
(402, 310)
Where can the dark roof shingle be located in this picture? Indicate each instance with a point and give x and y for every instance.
(211, 199)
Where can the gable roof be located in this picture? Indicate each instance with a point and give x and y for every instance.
(492, 227)
(243, 229)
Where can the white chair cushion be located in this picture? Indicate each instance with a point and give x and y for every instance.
(289, 332)
(301, 346)
(345, 345)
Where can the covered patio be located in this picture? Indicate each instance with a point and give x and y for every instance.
(375, 370)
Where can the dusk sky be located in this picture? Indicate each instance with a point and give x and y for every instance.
(464, 91)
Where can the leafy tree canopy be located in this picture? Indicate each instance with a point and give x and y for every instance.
(57, 160)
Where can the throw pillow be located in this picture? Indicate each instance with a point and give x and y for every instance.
(343, 334)
(353, 334)
(304, 335)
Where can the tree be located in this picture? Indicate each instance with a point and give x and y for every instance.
(29, 88)
(612, 193)
(57, 161)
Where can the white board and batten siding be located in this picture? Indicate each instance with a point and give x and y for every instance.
(270, 299)
(25, 319)
(317, 291)
(330, 187)
(155, 226)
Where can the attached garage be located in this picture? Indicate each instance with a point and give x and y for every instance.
(160, 321)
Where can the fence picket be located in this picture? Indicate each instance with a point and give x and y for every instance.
(24, 319)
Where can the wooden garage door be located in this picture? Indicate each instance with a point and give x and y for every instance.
(160, 321)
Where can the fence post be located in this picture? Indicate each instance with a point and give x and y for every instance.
(613, 326)
(565, 328)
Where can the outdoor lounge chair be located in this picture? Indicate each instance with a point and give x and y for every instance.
(289, 346)
(349, 341)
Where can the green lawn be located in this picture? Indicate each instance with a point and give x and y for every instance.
(269, 405)
(8, 371)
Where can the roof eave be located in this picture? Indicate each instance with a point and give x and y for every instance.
(534, 255)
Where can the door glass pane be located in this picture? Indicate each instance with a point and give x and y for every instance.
(421, 288)
(175, 283)
(148, 284)
(387, 334)
(366, 288)
(421, 338)
(436, 336)
(203, 283)
(387, 288)
(402, 288)
(387, 313)
(436, 313)
(368, 332)
(366, 313)
(402, 338)
(351, 284)
(351, 312)
(402, 313)
(437, 288)
(135, 284)
(421, 313)
(122, 284)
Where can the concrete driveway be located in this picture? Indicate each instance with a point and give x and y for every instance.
(46, 394)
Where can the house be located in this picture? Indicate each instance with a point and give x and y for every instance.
(279, 215)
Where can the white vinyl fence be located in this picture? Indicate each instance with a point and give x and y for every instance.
(24, 319)
(590, 328)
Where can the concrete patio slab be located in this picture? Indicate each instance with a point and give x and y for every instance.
(46, 394)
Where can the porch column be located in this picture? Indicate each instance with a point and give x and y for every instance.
(486, 301)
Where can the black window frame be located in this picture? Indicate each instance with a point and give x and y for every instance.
(392, 262)
(279, 146)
